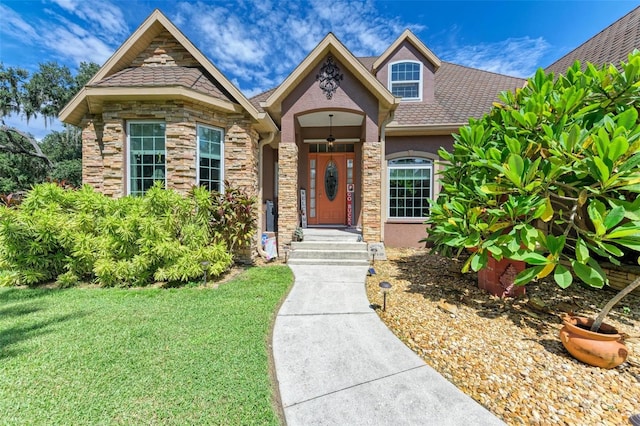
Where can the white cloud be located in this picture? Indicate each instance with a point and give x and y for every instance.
(106, 15)
(518, 57)
(66, 40)
(15, 27)
(77, 46)
(244, 40)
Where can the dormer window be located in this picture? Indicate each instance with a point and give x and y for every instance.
(405, 80)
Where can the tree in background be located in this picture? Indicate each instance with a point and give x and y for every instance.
(23, 160)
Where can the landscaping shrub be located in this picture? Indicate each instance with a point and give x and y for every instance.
(75, 235)
(233, 217)
(550, 176)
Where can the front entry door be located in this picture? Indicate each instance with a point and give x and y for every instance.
(328, 184)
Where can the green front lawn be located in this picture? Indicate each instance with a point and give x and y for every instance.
(142, 356)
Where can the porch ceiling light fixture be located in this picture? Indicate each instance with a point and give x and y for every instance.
(330, 138)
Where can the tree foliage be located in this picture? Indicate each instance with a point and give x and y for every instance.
(24, 161)
(550, 176)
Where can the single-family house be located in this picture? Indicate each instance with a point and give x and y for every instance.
(341, 142)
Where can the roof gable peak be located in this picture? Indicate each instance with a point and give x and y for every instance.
(410, 37)
(141, 38)
(330, 44)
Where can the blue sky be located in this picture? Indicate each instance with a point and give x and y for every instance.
(257, 43)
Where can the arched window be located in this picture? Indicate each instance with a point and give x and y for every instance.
(409, 187)
(405, 80)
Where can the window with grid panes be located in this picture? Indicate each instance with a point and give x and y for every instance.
(409, 187)
(146, 146)
(405, 80)
(210, 158)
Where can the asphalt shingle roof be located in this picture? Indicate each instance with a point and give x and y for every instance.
(611, 45)
(460, 92)
(189, 77)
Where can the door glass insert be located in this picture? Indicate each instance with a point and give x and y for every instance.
(312, 185)
(331, 180)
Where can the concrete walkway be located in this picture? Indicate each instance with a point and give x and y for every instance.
(338, 364)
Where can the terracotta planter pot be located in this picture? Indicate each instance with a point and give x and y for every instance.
(603, 349)
(497, 278)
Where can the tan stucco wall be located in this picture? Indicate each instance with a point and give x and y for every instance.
(406, 52)
(404, 232)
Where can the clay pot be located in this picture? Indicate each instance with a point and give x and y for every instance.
(603, 349)
(497, 277)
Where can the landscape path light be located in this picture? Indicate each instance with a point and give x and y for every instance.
(205, 265)
(385, 286)
(372, 270)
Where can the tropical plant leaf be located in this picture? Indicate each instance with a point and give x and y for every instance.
(562, 276)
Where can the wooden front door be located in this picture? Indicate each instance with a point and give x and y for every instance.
(328, 184)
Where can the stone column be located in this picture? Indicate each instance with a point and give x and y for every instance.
(92, 165)
(115, 174)
(181, 155)
(288, 203)
(241, 157)
(371, 192)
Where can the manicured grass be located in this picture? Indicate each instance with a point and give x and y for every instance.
(143, 356)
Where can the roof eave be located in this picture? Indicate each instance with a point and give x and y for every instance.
(423, 129)
(75, 111)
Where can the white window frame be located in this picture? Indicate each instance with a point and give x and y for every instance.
(429, 166)
(198, 154)
(419, 81)
(128, 151)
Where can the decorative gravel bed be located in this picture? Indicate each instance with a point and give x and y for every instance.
(505, 353)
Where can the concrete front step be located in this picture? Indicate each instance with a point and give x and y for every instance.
(335, 262)
(329, 253)
(334, 235)
(328, 245)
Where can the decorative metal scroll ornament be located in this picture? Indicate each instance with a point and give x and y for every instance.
(329, 77)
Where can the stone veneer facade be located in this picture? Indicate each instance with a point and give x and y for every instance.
(288, 202)
(371, 192)
(165, 50)
(104, 145)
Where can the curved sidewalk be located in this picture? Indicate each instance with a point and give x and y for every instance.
(338, 364)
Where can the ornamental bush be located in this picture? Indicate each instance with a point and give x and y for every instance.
(77, 235)
(550, 176)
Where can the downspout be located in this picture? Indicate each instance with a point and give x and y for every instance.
(383, 170)
(261, 144)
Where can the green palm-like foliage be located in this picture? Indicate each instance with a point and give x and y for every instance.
(550, 176)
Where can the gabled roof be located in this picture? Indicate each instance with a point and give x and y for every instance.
(330, 44)
(610, 46)
(410, 37)
(117, 72)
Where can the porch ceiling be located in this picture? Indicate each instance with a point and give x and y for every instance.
(321, 119)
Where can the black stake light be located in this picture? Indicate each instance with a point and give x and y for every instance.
(372, 270)
(205, 265)
(385, 286)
